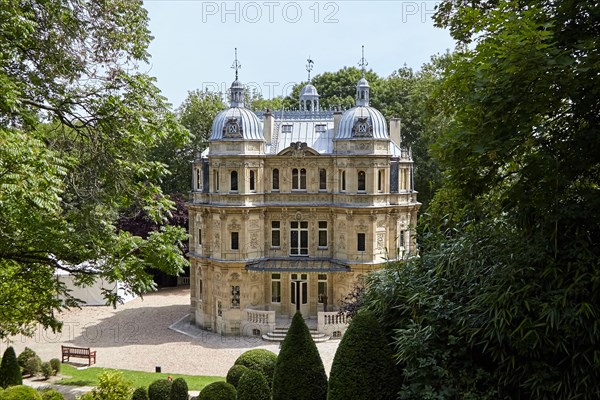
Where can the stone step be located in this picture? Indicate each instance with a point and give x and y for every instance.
(278, 335)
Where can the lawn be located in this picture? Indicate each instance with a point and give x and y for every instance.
(89, 377)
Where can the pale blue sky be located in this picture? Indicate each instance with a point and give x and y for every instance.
(194, 41)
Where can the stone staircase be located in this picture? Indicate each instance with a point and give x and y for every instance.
(279, 334)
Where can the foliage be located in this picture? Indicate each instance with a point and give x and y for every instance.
(33, 366)
(78, 123)
(112, 386)
(235, 373)
(51, 394)
(253, 386)
(20, 393)
(89, 377)
(299, 372)
(363, 366)
(23, 359)
(86, 396)
(260, 360)
(160, 389)
(179, 390)
(55, 364)
(46, 369)
(218, 391)
(10, 372)
(140, 394)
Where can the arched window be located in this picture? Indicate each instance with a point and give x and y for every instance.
(298, 179)
(362, 181)
(275, 179)
(234, 181)
(252, 182)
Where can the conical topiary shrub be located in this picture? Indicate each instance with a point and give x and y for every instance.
(363, 367)
(299, 372)
(253, 386)
(10, 372)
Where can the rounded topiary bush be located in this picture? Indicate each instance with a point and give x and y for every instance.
(20, 393)
(299, 372)
(253, 386)
(140, 394)
(25, 355)
(10, 372)
(235, 373)
(179, 390)
(259, 360)
(360, 374)
(160, 389)
(218, 391)
(55, 364)
(46, 370)
(51, 394)
(33, 366)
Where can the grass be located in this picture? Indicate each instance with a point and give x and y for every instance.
(89, 377)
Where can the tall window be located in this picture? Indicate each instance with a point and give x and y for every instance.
(216, 180)
(322, 234)
(342, 181)
(252, 181)
(322, 179)
(360, 242)
(298, 179)
(362, 181)
(322, 288)
(199, 236)
(275, 233)
(275, 288)
(235, 297)
(275, 179)
(198, 179)
(234, 181)
(402, 238)
(299, 238)
(235, 240)
(380, 180)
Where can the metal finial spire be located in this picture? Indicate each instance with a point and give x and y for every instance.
(363, 63)
(309, 67)
(236, 65)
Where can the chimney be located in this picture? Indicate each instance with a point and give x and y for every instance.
(337, 116)
(395, 131)
(268, 126)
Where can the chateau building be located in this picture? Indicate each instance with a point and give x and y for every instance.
(289, 209)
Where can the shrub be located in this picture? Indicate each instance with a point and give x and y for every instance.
(235, 373)
(10, 372)
(20, 392)
(46, 370)
(51, 394)
(253, 386)
(25, 355)
(299, 372)
(55, 364)
(33, 365)
(359, 374)
(218, 391)
(140, 394)
(87, 396)
(179, 390)
(259, 360)
(111, 386)
(160, 389)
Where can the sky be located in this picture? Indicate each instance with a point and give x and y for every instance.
(194, 41)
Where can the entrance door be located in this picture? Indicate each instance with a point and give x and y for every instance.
(299, 294)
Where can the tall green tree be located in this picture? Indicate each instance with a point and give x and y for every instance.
(78, 122)
(10, 371)
(299, 372)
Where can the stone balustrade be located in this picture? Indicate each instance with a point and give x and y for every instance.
(257, 322)
(332, 323)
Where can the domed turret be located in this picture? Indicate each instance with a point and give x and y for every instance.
(309, 97)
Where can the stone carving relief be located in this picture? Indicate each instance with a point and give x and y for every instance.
(254, 224)
(235, 276)
(254, 240)
(380, 241)
(362, 226)
(234, 226)
(217, 241)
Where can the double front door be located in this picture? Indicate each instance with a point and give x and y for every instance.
(299, 294)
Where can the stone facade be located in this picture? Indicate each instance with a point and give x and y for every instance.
(291, 217)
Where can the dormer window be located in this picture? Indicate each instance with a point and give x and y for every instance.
(232, 129)
(320, 128)
(362, 127)
(286, 128)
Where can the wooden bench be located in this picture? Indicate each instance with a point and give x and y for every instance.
(78, 352)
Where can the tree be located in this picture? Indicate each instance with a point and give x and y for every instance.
(363, 366)
(299, 372)
(78, 124)
(10, 372)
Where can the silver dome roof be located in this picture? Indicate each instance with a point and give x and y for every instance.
(362, 122)
(236, 123)
(309, 90)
